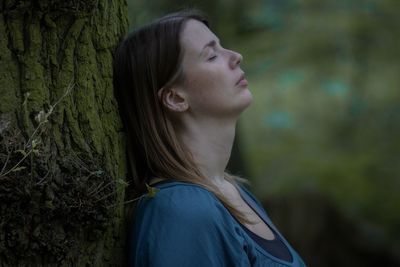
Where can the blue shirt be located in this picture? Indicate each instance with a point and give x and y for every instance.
(185, 225)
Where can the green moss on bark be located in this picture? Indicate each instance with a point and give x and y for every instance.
(49, 46)
(9, 75)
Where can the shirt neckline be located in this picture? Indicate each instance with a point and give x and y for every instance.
(246, 197)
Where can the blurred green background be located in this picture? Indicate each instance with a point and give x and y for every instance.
(320, 143)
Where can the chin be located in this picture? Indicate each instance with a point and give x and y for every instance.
(247, 98)
(245, 101)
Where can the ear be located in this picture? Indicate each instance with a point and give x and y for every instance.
(173, 99)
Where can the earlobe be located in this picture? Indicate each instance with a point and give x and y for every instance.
(173, 99)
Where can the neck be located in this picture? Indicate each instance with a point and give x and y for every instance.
(210, 144)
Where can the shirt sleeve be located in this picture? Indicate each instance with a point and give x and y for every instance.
(187, 228)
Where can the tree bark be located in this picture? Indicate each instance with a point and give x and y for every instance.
(62, 157)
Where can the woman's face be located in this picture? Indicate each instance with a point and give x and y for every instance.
(214, 84)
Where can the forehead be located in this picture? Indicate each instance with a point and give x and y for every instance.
(195, 36)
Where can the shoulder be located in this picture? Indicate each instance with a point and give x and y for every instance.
(184, 202)
(185, 225)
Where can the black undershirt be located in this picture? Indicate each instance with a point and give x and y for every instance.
(275, 247)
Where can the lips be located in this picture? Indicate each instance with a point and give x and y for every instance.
(242, 80)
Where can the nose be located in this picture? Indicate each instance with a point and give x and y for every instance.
(236, 59)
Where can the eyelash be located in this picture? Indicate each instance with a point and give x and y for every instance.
(212, 58)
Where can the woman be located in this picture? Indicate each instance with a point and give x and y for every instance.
(180, 94)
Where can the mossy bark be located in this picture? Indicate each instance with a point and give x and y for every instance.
(62, 159)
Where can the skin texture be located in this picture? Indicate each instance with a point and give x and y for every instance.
(206, 106)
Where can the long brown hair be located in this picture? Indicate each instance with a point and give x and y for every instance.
(147, 60)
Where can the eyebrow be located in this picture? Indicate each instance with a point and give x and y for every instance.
(211, 43)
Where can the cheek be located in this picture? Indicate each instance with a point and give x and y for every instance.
(203, 90)
(204, 81)
(197, 90)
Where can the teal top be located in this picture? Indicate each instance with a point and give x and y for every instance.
(186, 225)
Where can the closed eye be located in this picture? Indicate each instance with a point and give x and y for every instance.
(212, 58)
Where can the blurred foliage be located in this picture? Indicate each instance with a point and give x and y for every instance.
(226, 17)
(326, 116)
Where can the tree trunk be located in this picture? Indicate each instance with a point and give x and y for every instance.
(62, 158)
